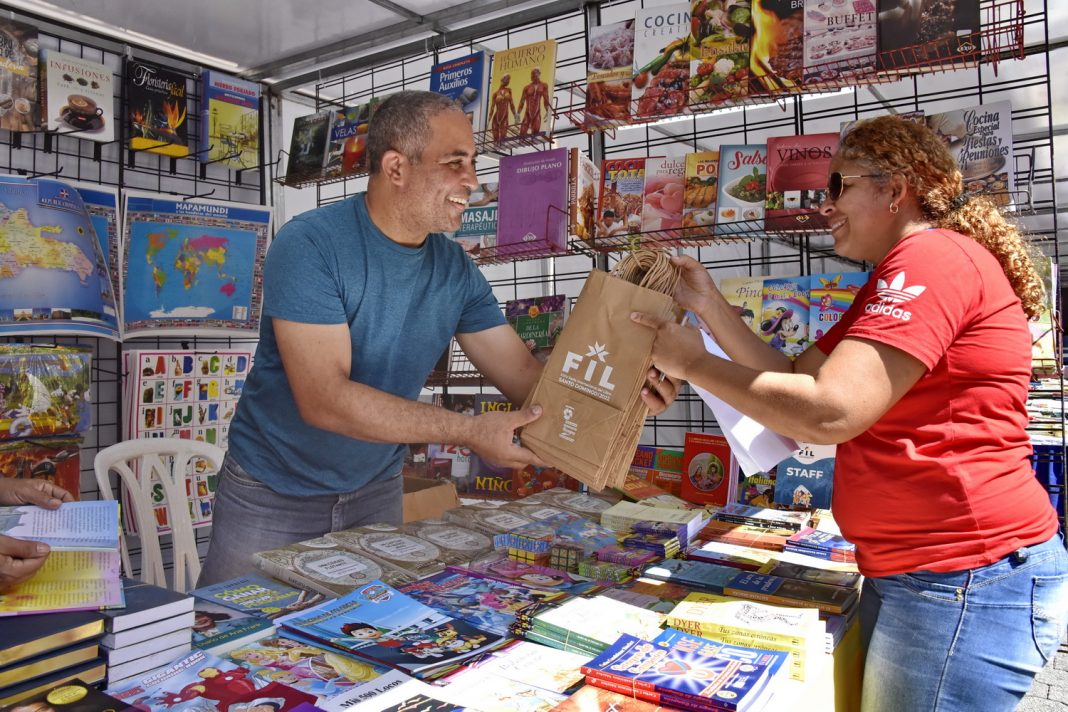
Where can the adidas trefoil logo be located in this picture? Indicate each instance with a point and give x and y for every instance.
(893, 294)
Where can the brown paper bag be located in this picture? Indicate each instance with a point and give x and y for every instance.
(590, 389)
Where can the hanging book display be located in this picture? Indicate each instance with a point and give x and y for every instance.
(609, 65)
(56, 277)
(467, 81)
(19, 99)
(308, 147)
(522, 83)
(230, 121)
(156, 109)
(77, 97)
(192, 266)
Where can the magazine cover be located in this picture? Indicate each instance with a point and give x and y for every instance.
(720, 33)
(467, 81)
(661, 77)
(742, 188)
(806, 478)
(533, 211)
(57, 280)
(102, 204)
(840, 41)
(156, 109)
(308, 147)
(19, 93)
(192, 266)
(662, 196)
(980, 138)
(927, 33)
(230, 120)
(609, 66)
(379, 622)
(797, 181)
(776, 55)
(77, 97)
(522, 84)
(46, 390)
(784, 314)
(830, 295)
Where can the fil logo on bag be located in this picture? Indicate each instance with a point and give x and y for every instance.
(589, 374)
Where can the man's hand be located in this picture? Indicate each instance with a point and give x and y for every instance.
(493, 437)
(676, 348)
(16, 492)
(659, 391)
(19, 560)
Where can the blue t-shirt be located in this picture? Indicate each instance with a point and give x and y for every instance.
(402, 305)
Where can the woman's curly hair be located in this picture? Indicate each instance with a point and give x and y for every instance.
(894, 145)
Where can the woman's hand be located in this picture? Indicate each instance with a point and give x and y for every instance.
(676, 348)
(696, 290)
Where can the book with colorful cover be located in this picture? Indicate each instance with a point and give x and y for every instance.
(532, 215)
(680, 667)
(538, 320)
(367, 693)
(217, 627)
(927, 35)
(156, 109)
(522, 81)
(710, 469)
(583, 183)
(591, 624)
(784, 314)
(661, 60)
(840, 41)
(230, 120)
(791, 592)
(54, 459)
(258, 596)
(816, 540)
(746, 295)
(19, 90)
(308, 147)
(77, 96)
(466, 80)
(806, 477)
(378, 622)
(619, 202)
(776, 58)
(609, 66)
(649, 593)
(276, 696)
(347, 147)
(303, 666)
(980, 138)
(742, 188)
(499, 567)
(797, 181)
(758, 489)
(197, 679)
(700, 191)
(719, 51)
(478, 222)
(830, 295)
(662, 196)
(68, 581)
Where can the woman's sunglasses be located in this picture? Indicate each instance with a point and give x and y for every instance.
(836, 183)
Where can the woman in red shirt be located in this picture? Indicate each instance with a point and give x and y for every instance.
(922, 386)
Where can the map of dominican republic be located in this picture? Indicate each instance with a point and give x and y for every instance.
(53, 274)
(192, 266)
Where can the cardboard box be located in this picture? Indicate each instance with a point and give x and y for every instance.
(426, 498)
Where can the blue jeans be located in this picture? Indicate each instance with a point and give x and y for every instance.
(249, 517)
(965, 640)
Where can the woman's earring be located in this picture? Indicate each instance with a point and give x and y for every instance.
(894, 208)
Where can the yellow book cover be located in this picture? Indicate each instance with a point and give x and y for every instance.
(746, 295)
(521, 86)
(68, 581)
(230, 121)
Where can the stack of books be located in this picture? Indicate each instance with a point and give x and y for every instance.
(622, 517)
(39, 652)
(821, 544)
(587, 625)
(792, 592)
(697, 575)
(763, 516)
(153, 630)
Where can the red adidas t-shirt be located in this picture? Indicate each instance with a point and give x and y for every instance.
(942, 481)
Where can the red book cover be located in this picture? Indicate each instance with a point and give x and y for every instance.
(797, 179)
(707, 469)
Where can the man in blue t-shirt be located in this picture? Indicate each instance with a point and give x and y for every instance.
(361, 297)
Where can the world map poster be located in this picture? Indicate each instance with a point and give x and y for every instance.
(191, 267)
(53, 274)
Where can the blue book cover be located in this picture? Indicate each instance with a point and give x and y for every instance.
(792, 592)
(806, 478)
(695, 574)
(378, 622)
(229, 121)
(682, 666)
(809, 538)
(466, 80)
(830, 295)
(258, 596)
(215, 626)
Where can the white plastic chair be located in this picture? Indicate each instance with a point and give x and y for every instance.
(169, 459)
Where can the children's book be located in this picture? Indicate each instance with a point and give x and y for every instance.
(742, 188)
(378, 622)
(746, 295)
(710, 470)
(74, 526)
(700, 191)
(817, 542)
(275, 696)
(784, 314)
(77, 96)
(840, 41)
(316, 670)
(197, 679)
(522, 81)
(499, 567)
(661, 60)
(791, 592)
(308, 147)
(675, 667)
(258, 596)
(591, 624)
(156, 109)
(797, 180)
(230, 120)
(720, 32)
(777, 48)
(933, 35)
(757, 489)
(465, 80)
(609, 65)
(619, 203)
(538, 321)
(321, 565)
(532, 216)
(19, 91)
(217, 628)
(830, 295)
(662, 197)
(980, 138)
(806, 478)
(70, 696)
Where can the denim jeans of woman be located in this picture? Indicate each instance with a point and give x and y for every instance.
(251, 517)
(965, 641)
